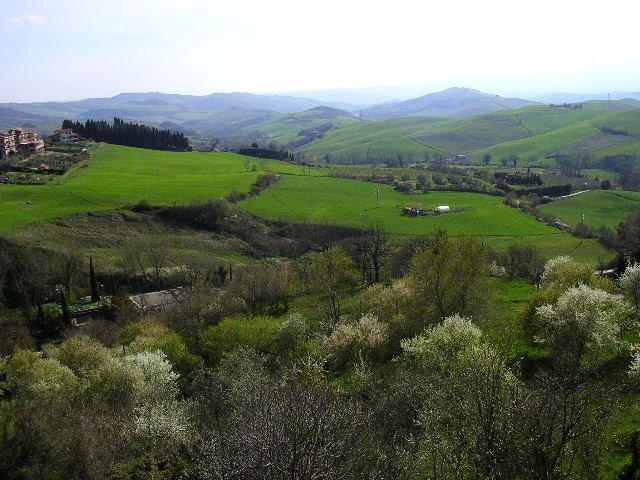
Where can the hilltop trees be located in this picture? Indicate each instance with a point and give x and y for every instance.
(131, 134)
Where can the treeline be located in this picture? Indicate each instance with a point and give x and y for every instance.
(274, 154)
(529, 179)
(130, 134)
(550, 191)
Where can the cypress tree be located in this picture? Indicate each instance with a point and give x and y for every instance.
(95, 296)
(66, 315)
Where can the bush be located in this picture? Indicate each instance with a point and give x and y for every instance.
(364, 339)
(630, 283)
(257, 332)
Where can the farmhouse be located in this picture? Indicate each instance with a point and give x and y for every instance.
(66, 135)
(20, 141)
(442, 209)
(161, 300)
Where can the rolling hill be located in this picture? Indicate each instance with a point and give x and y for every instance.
(450, 103)
(210, 114)
(118, 176)
(533, 133)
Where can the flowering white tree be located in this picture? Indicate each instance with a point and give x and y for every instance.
(439, 346)
(161, 420)
(563, 272)
(365, 338)
(630, 283)
(577, 324)
(160, 381)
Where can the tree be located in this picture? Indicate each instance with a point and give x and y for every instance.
(487, 158)
(628, 238)
(95, 296)
(562, 427)
(374, 247)
(286, 428)
(630, 283)
(329, 272)
(563, 272)
(466, 421)
(350, 342)
(522, 261)
(66, 315)
(577, 324)
(448, 276)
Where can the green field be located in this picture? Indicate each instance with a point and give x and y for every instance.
(533, 133)
(599, 207)
(353, 203)
(117, 176)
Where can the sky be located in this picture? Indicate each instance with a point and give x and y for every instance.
(76, 49)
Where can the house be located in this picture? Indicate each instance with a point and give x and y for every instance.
(442, 209)
(66, 135)
(161, 300)
(20, 141)
(7, 145)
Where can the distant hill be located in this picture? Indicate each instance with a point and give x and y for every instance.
(298, 129)
(565, 97)
(451, 103)
(537, 134)
(208, 114)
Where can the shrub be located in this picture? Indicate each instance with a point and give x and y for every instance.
(257, 332)
(630, 283)
(439, 346)
(351, 342)
(579, 323)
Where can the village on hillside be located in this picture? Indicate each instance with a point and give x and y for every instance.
(25, 159)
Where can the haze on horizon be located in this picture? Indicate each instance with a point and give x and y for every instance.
(77, 49)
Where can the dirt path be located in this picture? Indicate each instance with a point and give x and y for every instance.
(571, 194)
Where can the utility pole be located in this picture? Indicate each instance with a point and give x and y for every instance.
(377, 197)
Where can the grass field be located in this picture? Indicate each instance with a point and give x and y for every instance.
(533, 133)
(599, 207)
(353, 203)
(117, 176)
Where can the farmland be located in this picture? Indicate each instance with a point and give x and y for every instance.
(533, 133)
(120, 176)
(595, 208)
(350, 203)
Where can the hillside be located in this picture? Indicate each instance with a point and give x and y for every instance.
(451, 103)
(207, 114)
(595, 208)
(533, 132)
(298, 129)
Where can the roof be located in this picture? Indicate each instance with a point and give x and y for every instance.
(160, 300)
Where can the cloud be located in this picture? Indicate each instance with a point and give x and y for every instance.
(29, 19)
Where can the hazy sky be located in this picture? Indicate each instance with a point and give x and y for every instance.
(72, 49)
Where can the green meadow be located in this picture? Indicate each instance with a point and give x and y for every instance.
(118, 176)
(354, 203)
(595, 208)
(533, 133)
